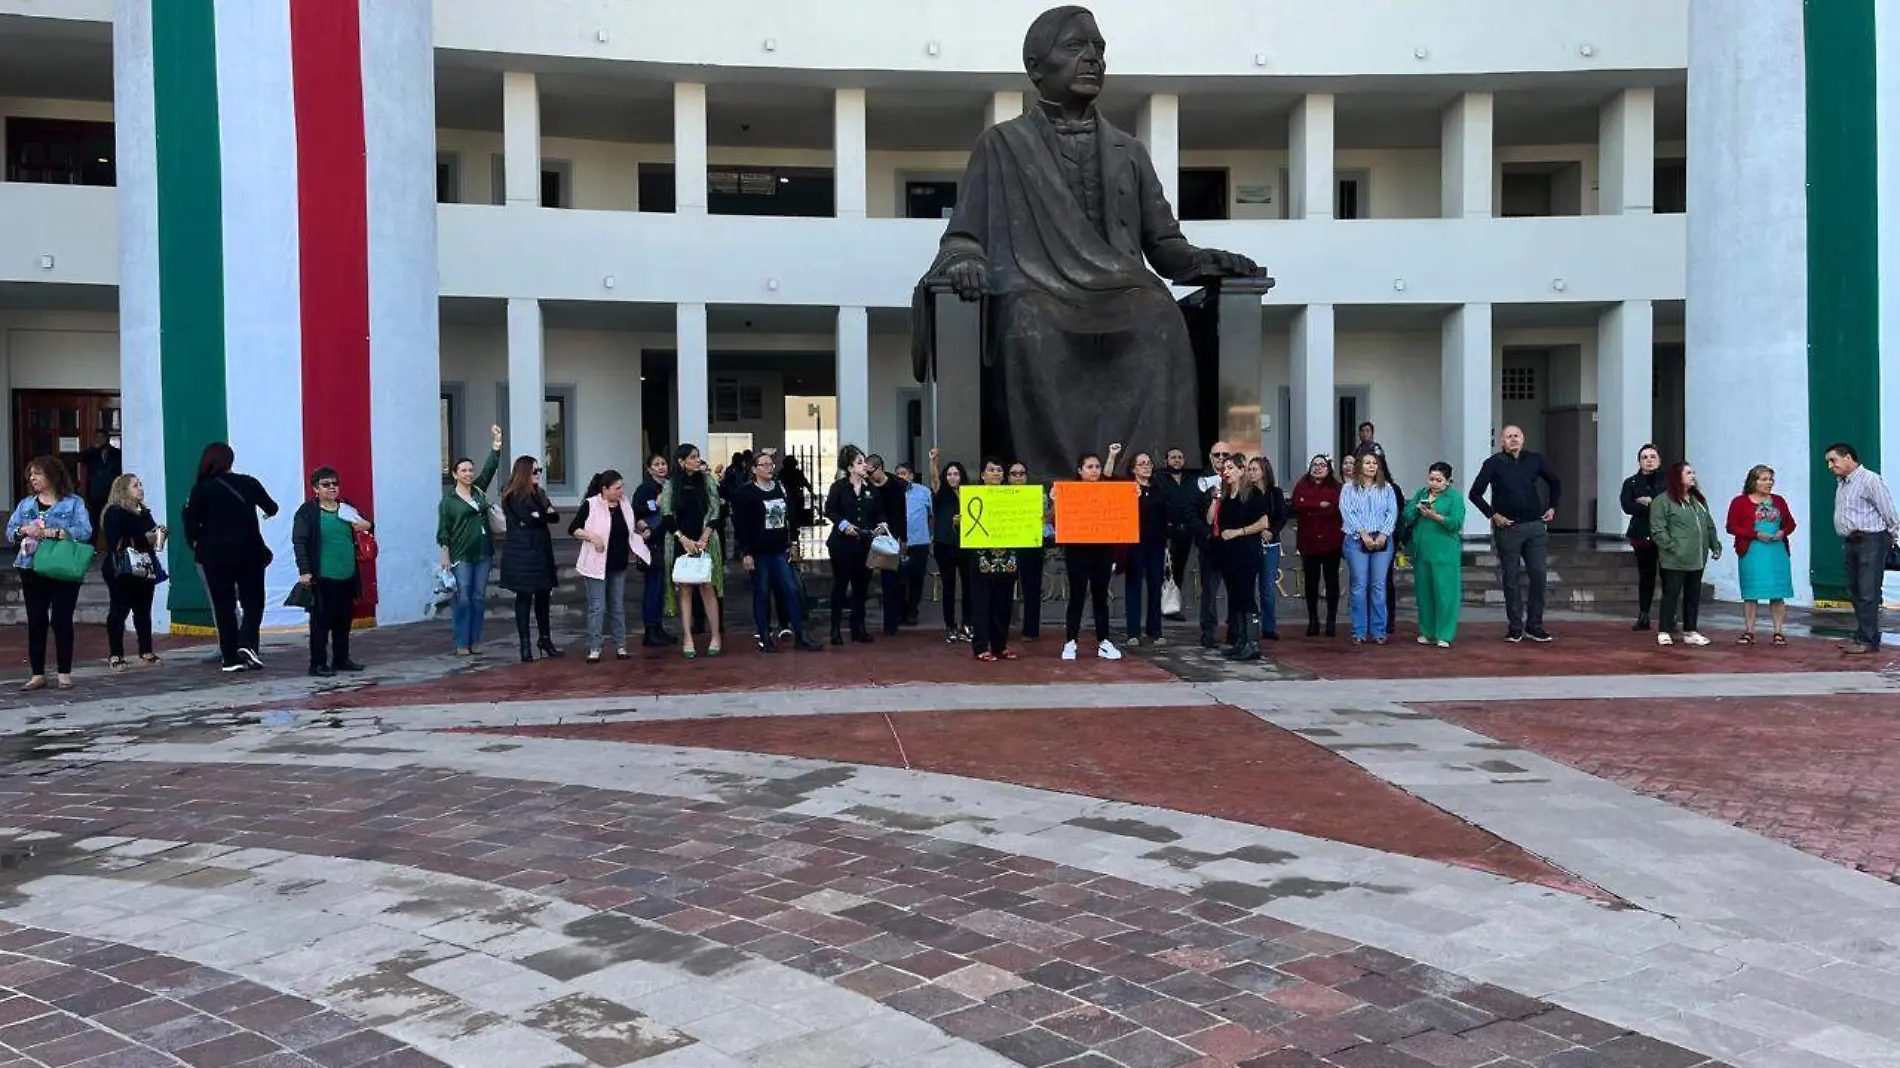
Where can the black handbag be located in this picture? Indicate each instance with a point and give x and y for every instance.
(1893, 554)
(302, 596)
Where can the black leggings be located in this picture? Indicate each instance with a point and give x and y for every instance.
(1240, 569)
(1089, 569)
(236, 591)
(1315, 566)
(994, 597)
(850, 582)
(949, 574)
(49, 606)
(540, 604)
(132, 597)
(1647, 559)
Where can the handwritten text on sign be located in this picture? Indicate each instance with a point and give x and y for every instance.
(1001, 517)
(1097, 513)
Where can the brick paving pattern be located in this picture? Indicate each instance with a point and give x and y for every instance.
(1821, 774)
(1580, 648)
(1045, 964)
(68, 1000)
(1214, 761)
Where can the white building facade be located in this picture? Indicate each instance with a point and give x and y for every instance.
(652, 223)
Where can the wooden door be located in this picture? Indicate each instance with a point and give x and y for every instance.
(59, 423)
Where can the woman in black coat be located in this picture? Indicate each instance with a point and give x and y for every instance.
(527, 553)
(222, 530)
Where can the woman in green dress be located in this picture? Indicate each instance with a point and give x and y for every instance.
(1436, 514)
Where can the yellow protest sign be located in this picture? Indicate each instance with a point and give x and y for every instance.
(1001, 517)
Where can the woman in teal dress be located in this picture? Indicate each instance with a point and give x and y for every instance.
(1760, 521)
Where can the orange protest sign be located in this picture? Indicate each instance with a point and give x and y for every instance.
(1097, 513)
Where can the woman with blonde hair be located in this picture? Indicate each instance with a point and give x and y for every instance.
(132, 569)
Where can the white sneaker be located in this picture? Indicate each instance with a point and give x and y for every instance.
(1068, 651)
(1107, 651)
(1423, 640)
(1665, 639)
(1694, 638)
(1442, 644)
(251, 659)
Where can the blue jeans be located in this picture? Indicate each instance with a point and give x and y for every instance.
(1141, 588)
(470, 606)
(606, 610)
(1269, 589)
(774, 571)
(1368, 571)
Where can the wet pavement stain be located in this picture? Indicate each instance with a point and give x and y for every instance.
(757, 792)
(1188, 859)
(1147, 832)
(1500, 767)
(897, 821)
(603, 1032)
(1253, 896)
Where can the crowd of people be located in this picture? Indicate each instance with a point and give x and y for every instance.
(891, 524)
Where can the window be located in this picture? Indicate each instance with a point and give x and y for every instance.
(448, 178)
(554, 433)
(450, 417)
(59, 152)
(1520, 383)
(1203, 193)
(656, 187)
(929, 200)
(736, 403)
(557, 182)
(1531, 190)
(557, 434)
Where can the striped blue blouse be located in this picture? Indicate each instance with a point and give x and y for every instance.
(1368, 511)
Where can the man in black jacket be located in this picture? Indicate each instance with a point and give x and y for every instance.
(890, 494)
(1184, 494)
(1198, 493)
(1521, 519)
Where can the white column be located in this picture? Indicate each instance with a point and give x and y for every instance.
(521, 138)
(850, 169)
(527, 379)
(1315, 408)
(1626, 346)
(1310, 168)
(1467, 156)
(689, 150)
(1626, 167)
(690, 374)
(1465, 392)
(854, 378)
(1004, 105)
(1158, 125)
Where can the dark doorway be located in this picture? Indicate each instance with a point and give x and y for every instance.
(1203, 193)
(59, 423)
(929, 200)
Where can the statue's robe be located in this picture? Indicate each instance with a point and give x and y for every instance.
(1083, 345)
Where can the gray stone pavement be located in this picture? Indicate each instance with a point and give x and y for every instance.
(1741, 949)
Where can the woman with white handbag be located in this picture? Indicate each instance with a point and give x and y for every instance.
(690, 509)
(857, 518)
(133, 540)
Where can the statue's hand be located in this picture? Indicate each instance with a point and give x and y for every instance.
(1229, 264)
(969, 277)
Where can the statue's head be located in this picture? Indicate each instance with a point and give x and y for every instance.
(1064, 54)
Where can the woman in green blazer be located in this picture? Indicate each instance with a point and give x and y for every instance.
(1436, 514)
(462, 528)
(1685, 536)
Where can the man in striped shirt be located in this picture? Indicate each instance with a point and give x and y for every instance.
(1865, 518)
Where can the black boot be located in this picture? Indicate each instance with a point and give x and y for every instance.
(861, 636)
(806, 645)
(1642, 622)
(527, 652)
(1332, 622)
(549, 650)
(837, 636)
(656, 638)
(1246, 652)
(1312, 623)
